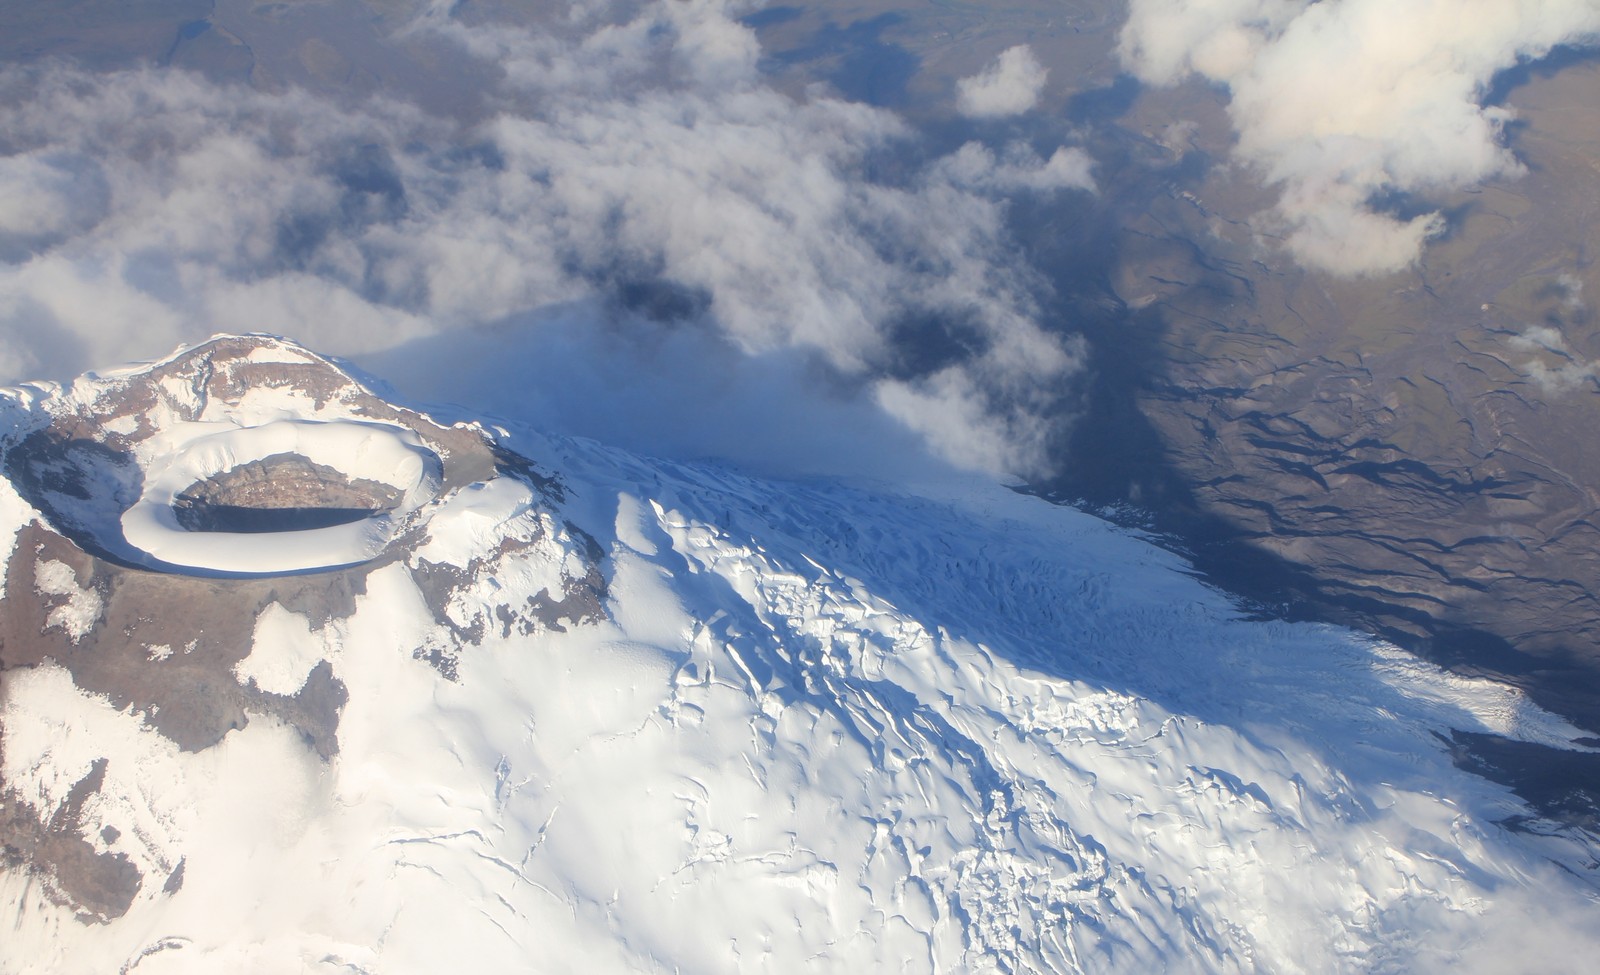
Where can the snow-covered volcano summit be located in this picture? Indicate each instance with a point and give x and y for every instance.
(242, 456)
(295, 679)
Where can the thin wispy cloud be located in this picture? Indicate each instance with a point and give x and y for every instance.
(1017, 169)
(1553, 366)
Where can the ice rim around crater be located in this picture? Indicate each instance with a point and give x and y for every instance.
(359, 450)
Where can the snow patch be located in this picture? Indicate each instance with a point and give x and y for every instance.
(15, 514)
(472, 523)
(123, 425)
(277, 352)
(284, 650)
(81, 611)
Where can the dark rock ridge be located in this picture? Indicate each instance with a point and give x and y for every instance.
(165, 644)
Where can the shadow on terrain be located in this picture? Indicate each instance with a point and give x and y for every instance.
(858, 61)
(78, 484)
(1560, 57)
(1115, 462)
(202, 516)
(1565, 786)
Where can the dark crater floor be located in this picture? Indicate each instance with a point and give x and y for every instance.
(282, 493)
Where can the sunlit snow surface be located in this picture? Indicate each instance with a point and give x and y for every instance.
(826, 729)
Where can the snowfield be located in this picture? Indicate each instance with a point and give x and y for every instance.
(823, 728)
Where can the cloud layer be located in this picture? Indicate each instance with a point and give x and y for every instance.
(636, 170)
(1349, 105)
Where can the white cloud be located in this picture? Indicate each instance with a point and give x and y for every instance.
(947, 406)
(623, 165)
(1164, 41)
(1342, 102)
(1008, 86)
(49, 196)
(1555, 367)
(1018, 168)
(1572, 292)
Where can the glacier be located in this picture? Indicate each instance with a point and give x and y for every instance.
(613, 713)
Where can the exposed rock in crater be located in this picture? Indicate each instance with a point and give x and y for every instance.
(285, 492)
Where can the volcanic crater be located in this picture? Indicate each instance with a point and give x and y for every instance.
(281, 493)
(162, 512)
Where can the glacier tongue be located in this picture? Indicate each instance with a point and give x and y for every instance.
(810, 727)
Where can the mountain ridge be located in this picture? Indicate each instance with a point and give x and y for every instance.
(608, 712)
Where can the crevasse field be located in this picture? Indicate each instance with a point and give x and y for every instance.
(823, 726)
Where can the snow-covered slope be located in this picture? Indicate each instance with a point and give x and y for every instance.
(583, 711)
